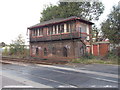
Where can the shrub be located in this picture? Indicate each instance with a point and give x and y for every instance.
(112, 55)
(5, 51)
(88, 56)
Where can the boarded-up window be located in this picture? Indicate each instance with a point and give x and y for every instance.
(45, 52)
(82, 50)
(65, 52)
(37, 51)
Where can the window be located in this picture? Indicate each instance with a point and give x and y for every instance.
(53, 50)
(40, 31)
(59, 29)
(45, 52)
(82, 50)
(68, 27)
(72, 26)
(62, 28)
(65, 54)
(83, 28)
(50, 30)
(35, 32)
(55, 29)
(37, 51)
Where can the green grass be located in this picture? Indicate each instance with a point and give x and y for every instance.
(93, 61)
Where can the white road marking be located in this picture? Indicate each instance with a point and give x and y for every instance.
(61, 86)
(48, 80)
(82, 71)
(107, 80)
(16, 86)
(85, 71)
(109, 86)
(25, 81)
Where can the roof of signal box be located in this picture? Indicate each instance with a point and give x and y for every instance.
(59, 20)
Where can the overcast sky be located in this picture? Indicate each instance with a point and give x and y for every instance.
(17, 15)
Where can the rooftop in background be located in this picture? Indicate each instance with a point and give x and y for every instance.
(59, 20)
(101, 42)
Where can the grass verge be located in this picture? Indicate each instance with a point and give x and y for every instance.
(93, 61)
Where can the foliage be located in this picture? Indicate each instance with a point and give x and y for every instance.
(111, 27)
(113, 55)
(85, 10)
(2, 44)
(95, 32)
(111, 58)
(88, 56)
(17, 48)
(5, 52)
(93, 61)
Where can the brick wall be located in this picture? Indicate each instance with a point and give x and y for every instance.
(74, 49)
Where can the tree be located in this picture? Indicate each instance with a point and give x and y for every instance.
(111, 27)
(2, 44)
(85, 10)
(5, 52)
(18, 46)
(95, 32)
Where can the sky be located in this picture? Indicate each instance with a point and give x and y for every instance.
(17, 15)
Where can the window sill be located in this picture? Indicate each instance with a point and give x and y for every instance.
(37, 36)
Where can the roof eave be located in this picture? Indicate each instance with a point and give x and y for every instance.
(88, 22)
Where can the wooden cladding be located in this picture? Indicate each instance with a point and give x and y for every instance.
(68, 30)
(54, 29)
(75, 35)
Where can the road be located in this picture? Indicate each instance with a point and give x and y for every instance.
(59, 76)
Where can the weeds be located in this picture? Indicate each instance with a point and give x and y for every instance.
(90, 59)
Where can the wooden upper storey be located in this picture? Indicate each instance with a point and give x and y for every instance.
(58, 29)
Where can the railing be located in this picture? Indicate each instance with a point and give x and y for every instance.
(62, 36)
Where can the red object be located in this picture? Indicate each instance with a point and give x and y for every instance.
(95, 50)
(103, 49)
(100, 48)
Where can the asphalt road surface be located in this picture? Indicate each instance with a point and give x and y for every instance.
(50, 76)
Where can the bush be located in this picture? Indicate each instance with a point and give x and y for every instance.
(86, 59)
(112, 55)
(88, 56)
(5, 51)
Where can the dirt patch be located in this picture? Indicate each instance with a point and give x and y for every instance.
(5, 63)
